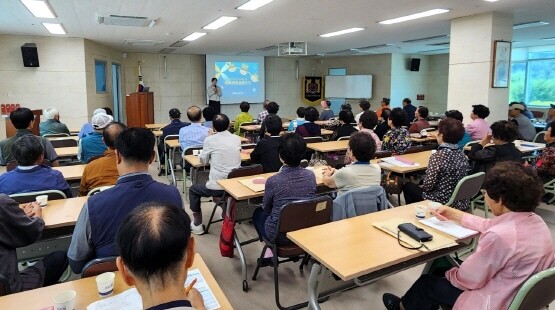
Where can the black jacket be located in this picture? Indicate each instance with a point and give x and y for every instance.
(266, 154)
(484, 158)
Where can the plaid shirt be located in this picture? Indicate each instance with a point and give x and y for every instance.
(261, 116)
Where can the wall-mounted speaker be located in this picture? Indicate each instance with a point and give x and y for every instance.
(414, 64)
(30, 55)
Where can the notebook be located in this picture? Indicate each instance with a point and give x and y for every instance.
(449, 227)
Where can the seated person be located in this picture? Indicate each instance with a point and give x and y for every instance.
(194, 134)
(545, 164)
(19, 227)
(92, 145)
(243, 117)
(383, 105)
(455, 114)
(103, 171)
(262, 115)
(88, 128)
(478, 128)
(550, 116)
(266, 150)
(527, 112)
(526, 128)
(421, 122)
(30, 176)
(272, 109)
(155, 259)
(222, 150)
(334, 122)
(346, 128)
(513, 246)
(298, 121)
(446, 168)
(171, 129)
(410, 110)
(397, 139)
(360, 172)
(383, 126)
(367, 122)
(309, 128)
(103, 213)
(23, 120)
(483, 155)
(52, 124)
(364, 106)
(208, 114)
(327, 113)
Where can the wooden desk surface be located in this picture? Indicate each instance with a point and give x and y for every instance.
(66, 151)
(155, 126)
(62, 212)
(74, 130)
(421, 158)
(195, 160)
(175, 143)
(71, 173)
(157, 133)
(87, 292)
(76, 138)
(329, 146)
(355, 247)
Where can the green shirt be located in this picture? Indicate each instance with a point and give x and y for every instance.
(52, 126)
(243, 117)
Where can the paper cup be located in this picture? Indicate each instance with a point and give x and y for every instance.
(65, 300)
(420, 211)
(434, 205)
(105, 284)
(42, 200)
(196, 152)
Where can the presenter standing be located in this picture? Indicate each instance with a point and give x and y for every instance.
(214, 93)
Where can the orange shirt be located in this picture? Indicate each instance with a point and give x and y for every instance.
(99, 172)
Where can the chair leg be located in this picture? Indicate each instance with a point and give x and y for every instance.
(258, 262)
(211, 218)
(305, 260)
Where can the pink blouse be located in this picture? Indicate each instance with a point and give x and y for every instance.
(512, 247)
(478, 129)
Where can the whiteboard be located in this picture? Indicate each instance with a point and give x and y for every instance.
(348, 86)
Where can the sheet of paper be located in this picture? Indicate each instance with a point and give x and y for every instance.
(129, 299)
(449, 227)
(210, 301)
(395, 162)
(256, 187)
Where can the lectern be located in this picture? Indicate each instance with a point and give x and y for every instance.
(139, 109)
(10, 129)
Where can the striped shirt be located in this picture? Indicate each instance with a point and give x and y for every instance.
(192, 135)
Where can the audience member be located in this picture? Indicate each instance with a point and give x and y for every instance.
(103, 171)
(30, 175)
(364, 105)
(262, 115)
(526, 128)
(421, 122)
(334, 122)
(513, 246)
(172, 128)
(22, 226)
(87, 127)
(103, 213)
(23, 121)
(483, 155)
(527, 112)
(384, 104)
(455, 114)
(446, 168)
(327, 113)
(222, 151)
(208, 114)
(368, 121)
(194, 134)
(397, 139)
(273, 109)
(266, 150)
(346, 128)
(243, 117)
(360, 172)
(155, 259)
(383, 125)
(545, 163)
(410, 110)
(550, 116)
(478, 128)
(298, 121)
(52, 125)
(309, 128)
(92, 144)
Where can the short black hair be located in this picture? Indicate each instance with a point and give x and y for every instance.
(368, 119)
(208, 113)
(273, 108)
(423, 112)
(328, 103)
(111, 132)
(300, 112)
(311, 114)
(386, 113)
(148, 244)
(27, 150)
(135, 144)
(451, 129)
(21, 118)
(346, 107)
(481, 110)
(108, 111)
(273, 124)
(407, 100)
(292, 149)
(213, 79)
(506, 180)
(398, 117)
(386, 101)
(244, 106)
(364, 104)
(504, 131)
(362, 145)
(346, 116)
(220, 122)
(194, 113)
(456, 114)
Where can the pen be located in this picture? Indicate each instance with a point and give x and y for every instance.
(439, 216)
(188, 288)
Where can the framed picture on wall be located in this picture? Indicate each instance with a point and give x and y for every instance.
(501, 64)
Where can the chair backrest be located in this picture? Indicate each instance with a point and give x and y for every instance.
(414, 149)
(540, 137)
(344, 138)
(467, 187)
(170, 137)
(429, 147)
(305, 213)
(55, 135)
(469, 144)
(537, 114)
(382, 154)
(537, 292)
(4, 286)
(31, 196)
(245, 171)
(99, 189)
(313, 139)
(359, 201)
(98, 266)
(63, 143)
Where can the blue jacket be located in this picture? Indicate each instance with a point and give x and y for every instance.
(90, 146)
(39, 178)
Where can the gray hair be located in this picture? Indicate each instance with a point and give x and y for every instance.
(50, 113)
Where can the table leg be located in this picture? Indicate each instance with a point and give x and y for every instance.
(316, 275)
(172, 154)
(242, 259)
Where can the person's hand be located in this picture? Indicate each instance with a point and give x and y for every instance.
(328, 171)
(195, 298)
(450, 213)
(28, 209)
(210, 131)
(486, 140)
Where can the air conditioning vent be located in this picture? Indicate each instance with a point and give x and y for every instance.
(179, 43)
(131, 42)
(130, 21)
(166, 50)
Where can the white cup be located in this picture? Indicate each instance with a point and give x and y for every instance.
(42, 200)
(65, 300)
(420, 211)
(196, 152)
(434, 205)
(105, 284)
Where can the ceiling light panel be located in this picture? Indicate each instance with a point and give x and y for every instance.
(426, 39)
(39, 9)
(340, 32)
(254, 4)
(193, 36)
(530, 24)
(54, 28)
(220, 22)
(414, 16)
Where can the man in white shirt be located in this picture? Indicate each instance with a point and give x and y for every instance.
(214, 93)
(222, 150)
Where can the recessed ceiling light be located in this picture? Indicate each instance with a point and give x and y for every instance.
(413, 16)
(340, 32)
(54, 28)
(254, 4)
(491, 0)
(530, 24)
(193, 36)
(220, 22)
(39, 8)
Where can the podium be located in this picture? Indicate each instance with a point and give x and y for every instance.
(10, 129)
(139, 109)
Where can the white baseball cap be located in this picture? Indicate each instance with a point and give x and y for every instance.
(99, 111)
(101, 120)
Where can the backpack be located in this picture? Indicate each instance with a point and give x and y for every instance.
(228, 231)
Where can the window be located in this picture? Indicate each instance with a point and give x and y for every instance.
(533, 76)
(100, 75)
(541, 83)
(518, 82)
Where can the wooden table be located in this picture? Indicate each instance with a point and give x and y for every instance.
(421, 158)
(66, 151)
(157, 134)
(74, 131)
(87, 292)
(155, 126)
(329, 146)
(356, 248)
(71, 173)
(62, 212)
(194, 160)
(76, 138)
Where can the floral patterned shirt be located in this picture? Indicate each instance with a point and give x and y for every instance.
(396, 140)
